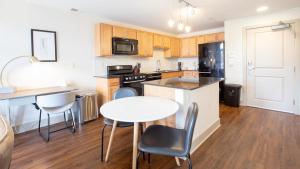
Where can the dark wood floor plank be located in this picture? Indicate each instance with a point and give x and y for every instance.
(249, 138)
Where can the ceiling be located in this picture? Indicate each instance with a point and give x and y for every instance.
(154, 14)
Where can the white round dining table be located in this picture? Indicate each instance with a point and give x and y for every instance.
(137, 109)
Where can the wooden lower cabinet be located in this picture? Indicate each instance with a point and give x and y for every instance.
(191, 74)
(171, 74)
(105, 88)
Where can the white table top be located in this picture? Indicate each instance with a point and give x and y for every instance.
(139, 109)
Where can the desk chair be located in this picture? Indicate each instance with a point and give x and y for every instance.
(163, 140)
(120, 93)
(56, 104)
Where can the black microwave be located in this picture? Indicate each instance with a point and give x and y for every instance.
(121, 46)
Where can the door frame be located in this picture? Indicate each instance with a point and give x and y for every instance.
(296, 22)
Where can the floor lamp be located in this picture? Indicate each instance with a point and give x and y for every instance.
(10, 89)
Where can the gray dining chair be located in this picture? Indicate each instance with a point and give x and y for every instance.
(163, 140)
(120, 93)
(54, 104)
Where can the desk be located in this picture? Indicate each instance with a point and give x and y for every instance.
(20, 98)
(135, 110)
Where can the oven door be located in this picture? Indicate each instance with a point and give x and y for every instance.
(138, 86)
(122, 46)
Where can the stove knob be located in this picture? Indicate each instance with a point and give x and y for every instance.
(126, 78)
(135, 77)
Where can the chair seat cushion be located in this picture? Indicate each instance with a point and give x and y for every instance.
(163, 140)
(110, 122)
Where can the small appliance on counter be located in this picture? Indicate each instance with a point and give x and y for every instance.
(180, 66)
(137, 69)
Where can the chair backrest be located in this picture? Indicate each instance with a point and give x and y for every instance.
(124, 92)
(190, 122)
(56, 100)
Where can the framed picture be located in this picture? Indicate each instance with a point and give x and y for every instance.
(43, 45)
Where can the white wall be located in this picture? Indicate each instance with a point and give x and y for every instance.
(234, 41)
(76, 64)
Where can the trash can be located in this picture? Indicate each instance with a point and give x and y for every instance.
(87, 108)
(232, 95)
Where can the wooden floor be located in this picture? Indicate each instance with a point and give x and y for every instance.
(249, 138)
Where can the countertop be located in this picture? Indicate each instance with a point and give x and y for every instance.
(117, 76)
(184, 83)
(107, 76)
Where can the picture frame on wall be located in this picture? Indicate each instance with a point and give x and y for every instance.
(43, 45)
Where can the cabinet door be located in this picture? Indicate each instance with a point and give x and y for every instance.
(210, 38)
(201, 39)
(166, 42)
(193, 47)
(171, 74)
(175, 47)
(220, 37)
(122, 32)
(112, 90)
(145, 43)
(184, 47)
(103, 39)
(158, 41)
(131, 33)
(149, 44)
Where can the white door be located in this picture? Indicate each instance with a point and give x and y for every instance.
(271, 64)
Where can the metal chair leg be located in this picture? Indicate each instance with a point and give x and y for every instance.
(65, 120)
(73, 119)
(142, 131)
(48, 138)
(40, 118)
(149, 158)
(102, 142)
(189, 161)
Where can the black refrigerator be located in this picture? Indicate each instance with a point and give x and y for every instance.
(212, 62)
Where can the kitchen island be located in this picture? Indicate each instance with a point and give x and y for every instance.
(204, 91)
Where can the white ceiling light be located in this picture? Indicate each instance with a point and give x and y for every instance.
(180, 26)
(171, 23)
(187, 28)
(262, 8)
(187, 11)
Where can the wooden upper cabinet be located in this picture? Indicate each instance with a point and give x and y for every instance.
(122, 32)
(189, 47)
(174, 50)
(201, 39)
(103, 39)
(193, 47)
(184, 47)
(158, 41)
(166, 42)
(220, 37)
(145, 43)
(210, 38)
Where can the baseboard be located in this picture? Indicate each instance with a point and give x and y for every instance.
(205, 135)
(34, 125)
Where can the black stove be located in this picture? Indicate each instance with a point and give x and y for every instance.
(129, 79)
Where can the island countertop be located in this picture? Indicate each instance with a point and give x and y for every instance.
(184, 83)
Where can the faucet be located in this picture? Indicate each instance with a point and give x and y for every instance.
(158, 65)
